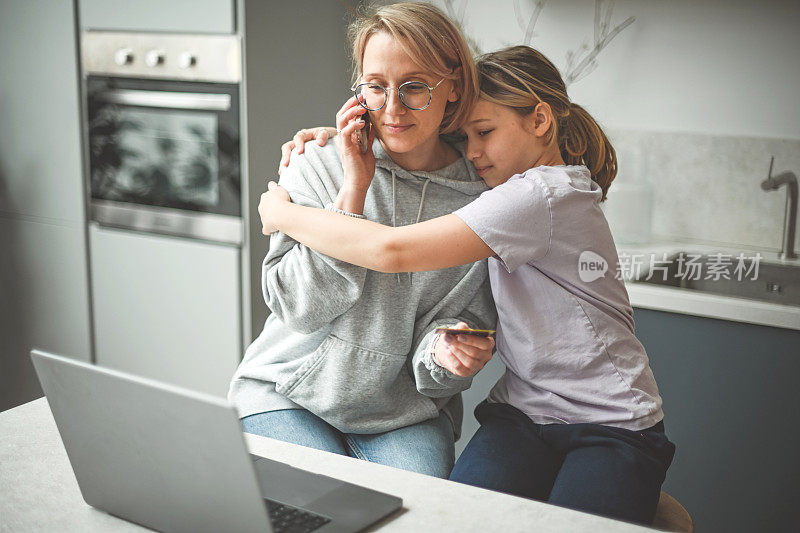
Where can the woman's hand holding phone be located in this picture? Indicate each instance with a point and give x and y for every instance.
(359, 164)
(355, 151)
(350, 112)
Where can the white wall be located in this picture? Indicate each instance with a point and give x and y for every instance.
(695, 95)
(709, 66)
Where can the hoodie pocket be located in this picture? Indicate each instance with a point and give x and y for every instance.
(357, 390)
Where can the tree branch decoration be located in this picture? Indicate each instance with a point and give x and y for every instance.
(581, 62)
(527, 26)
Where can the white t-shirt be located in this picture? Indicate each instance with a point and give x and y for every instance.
(565, 327)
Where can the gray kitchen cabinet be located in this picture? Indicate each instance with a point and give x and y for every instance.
(44, 283)
(40, 151)
(731, 408)
(184, 16)
(45, 302)
(166, 308)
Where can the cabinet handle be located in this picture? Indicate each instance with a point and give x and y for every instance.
(202, 101)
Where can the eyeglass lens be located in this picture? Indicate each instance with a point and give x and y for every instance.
(414, 95)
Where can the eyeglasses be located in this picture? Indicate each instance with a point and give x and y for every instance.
(414, 95)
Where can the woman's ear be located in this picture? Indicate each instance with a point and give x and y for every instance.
(453, 95)
(542, 118)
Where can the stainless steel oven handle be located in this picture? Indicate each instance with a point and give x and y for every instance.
(201, 101)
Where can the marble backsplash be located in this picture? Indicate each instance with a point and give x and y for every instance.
(705, 188)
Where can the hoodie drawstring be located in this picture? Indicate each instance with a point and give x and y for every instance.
(419, 214)
(394, 213)
(421, 200)
(394, 219)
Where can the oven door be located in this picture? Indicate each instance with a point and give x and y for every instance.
(164, 156)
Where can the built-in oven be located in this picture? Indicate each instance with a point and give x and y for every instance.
(163, 130)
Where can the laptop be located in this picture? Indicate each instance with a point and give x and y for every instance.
(173, 459)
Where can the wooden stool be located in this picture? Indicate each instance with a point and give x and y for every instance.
(671, 516)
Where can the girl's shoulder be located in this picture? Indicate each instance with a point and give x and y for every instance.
(557, 174)
(316, 160)
(562, 180)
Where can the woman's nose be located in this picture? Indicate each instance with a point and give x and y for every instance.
(393, 104)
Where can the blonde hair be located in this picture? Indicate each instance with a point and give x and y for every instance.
(433, 41)
(520, 77)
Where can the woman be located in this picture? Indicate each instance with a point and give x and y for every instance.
(348, 361)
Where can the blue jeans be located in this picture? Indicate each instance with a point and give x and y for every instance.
(426, 447)
(599, 469)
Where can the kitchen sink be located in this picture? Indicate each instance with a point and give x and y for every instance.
(772, 282)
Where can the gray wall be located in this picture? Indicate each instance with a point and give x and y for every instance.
(730, 407)
(297, 74)
(44, 294)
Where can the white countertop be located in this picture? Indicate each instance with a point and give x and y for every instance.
(38, 491)
(705, 304)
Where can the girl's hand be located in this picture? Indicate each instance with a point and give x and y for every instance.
(463, 355)
(359, 168)
(267, 206)
(320, 133)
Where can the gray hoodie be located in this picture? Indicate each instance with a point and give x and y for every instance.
(352, 345)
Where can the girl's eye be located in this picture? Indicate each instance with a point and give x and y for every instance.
(483, 133)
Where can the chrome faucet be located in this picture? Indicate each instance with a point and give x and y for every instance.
(773, 183)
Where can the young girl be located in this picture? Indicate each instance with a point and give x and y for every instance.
(576, 420)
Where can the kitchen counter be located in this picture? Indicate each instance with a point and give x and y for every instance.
(38, 491)
(705, 304)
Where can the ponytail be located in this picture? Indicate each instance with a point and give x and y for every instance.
(581, 140)
(520, 77)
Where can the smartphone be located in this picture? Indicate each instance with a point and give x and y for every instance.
(476, 332)
(363, 134)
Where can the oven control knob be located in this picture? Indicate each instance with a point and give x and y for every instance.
(123, 56)
(154, 58)
(187, 60)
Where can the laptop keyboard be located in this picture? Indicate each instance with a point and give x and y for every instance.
(288, 519)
